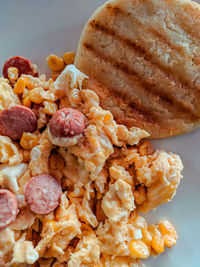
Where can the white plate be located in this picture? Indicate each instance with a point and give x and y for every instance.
(34, 29)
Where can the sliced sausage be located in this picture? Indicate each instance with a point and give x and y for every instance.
(8, 208)
(23, 65)
(16, 120)
(43, 193)
(67, 122)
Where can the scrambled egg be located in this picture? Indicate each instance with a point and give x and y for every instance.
(107, 176)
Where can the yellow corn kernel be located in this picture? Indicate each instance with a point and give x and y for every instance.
(107, 117)
(147, 238)
(69, 58)
(74, 96)
(12, 74)
(50, 108)
(157, 243)
(35, 95)
(153, 229)
(55, 75)
(21, 83)
(26, 155)
(28, 140)
(140, 195)
(27, 102)
(55, 63)
(138, 249)
(169, 241)
(166, 228)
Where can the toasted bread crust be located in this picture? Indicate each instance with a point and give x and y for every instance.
(143, 58)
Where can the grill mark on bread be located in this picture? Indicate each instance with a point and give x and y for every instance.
(116, 11)
(149, 86)
(135, 108)
(167, 70)
(145, 85)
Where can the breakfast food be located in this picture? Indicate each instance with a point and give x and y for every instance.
(8, 208)
(143, 61)
(67, 122)
(42, 193)
(16, 120)
(23, 66)
(73, 181)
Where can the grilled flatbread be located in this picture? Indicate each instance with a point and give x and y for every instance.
(143, 60)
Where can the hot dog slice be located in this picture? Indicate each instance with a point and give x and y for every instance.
(67, 122)
(16, 120)
(43, 193)
(8, 208)
(23, 65)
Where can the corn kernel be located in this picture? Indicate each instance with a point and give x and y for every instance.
(12, 74)
(138, 249)
(55, 63)
(147, 238)
(27, 102)
(169, 241)
(35, 95)
(28, 140)
(55, 75)
(26, 155)
(21, 83)
(166, 228)
(69, 58)
(157, 243)
(50, 108)
(140, 195)
(74, 96)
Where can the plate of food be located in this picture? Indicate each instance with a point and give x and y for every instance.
(99, 133)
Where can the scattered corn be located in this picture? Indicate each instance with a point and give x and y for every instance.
(107, 117)
(55, 75)
(140, 195)
(157, 243)
(26, 155)
(68, 58)
(55, 63)
(28, 140)
(166, 228)
(138, 249)
(50, 108)
(27, 102)
(35, 95)
(147, 238)
(12, 74)
(20, 85)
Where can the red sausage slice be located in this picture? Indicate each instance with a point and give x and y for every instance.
(16, 120)
(8, 208)
(67, 122)
(23, 65)
(43, 193)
